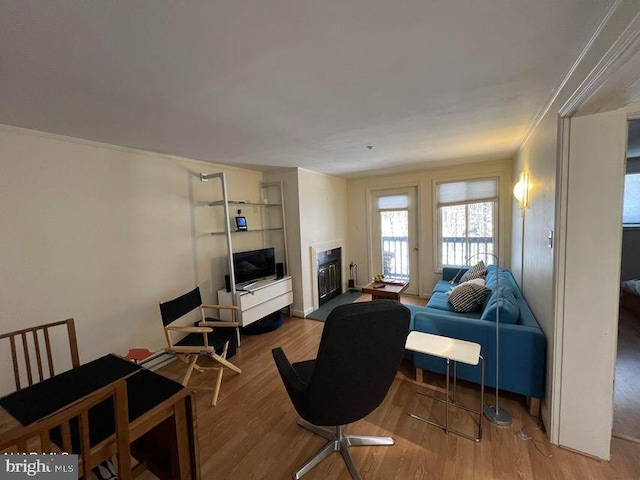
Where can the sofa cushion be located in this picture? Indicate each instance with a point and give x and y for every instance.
(475, 281)
(453, 274)
(501, 280)
(440, 301)
(506, 303)
(468, 297)
(479, 270)
(443, 286)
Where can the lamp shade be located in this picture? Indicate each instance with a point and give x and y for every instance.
(521, 190)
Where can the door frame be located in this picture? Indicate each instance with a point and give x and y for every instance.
(620, 51)
(415, 277)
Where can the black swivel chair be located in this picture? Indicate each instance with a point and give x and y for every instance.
(359, 354)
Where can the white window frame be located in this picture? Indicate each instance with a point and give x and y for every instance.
(633, 168)
(438, 243)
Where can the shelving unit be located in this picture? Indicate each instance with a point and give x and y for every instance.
(267, 230)
(241, 204)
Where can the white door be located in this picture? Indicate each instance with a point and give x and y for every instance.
(593, 237)
(394, 235)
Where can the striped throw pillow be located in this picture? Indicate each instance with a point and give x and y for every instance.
(468, 297)
(479, 270)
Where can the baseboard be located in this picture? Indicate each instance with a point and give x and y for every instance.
(301, 313)
(157, 360)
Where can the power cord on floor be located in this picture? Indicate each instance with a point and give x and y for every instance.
(540, 446)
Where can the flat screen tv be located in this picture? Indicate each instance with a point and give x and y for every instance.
(254, 265)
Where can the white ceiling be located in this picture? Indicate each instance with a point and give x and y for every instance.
(283, 83)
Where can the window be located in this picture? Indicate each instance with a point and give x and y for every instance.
(466, 213)
(631, 204)
(394, 236)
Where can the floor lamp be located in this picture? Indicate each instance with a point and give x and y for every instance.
(494, 413)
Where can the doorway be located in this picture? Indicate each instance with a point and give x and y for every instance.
(626, 403)
(394, 235)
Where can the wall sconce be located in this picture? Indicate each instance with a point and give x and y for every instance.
(521, 190)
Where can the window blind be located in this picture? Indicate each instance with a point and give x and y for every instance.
(467, 191)
(393, 202)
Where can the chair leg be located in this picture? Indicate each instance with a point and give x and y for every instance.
(225, 362)
(216, 390)
(346, 456)
(316, 459)
(187, 375)
(339, 441)
(363, 441)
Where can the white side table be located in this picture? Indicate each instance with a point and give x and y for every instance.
(455, 350)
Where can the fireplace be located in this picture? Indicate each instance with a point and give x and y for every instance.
(329, 274)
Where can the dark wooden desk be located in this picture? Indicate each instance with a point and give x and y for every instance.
(380, 290)
(162, 423)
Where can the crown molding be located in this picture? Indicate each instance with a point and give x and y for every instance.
(556, 91)
(625, 47)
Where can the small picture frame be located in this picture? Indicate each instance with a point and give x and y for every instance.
(241, 224)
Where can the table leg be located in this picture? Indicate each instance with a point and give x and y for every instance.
(481, 399)
(170, 448)
(446, 428)
(448, 404)
(182, 439)
(455, 377)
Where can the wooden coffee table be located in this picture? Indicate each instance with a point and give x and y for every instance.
(380, 290)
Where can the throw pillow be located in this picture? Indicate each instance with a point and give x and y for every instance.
(475, 281)
(468, 297)
(479, 270)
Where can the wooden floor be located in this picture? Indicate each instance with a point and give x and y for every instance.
(252, 433)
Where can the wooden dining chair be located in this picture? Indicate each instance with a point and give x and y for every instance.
(74, 430)
(32, 353)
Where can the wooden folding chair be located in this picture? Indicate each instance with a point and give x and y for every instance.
(32, 355)
(70, 430)
(210, 338)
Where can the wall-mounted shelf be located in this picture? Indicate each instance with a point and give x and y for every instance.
(233, 232)
(269, 220)
(221, 203)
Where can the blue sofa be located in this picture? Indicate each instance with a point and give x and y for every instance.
(522, 342)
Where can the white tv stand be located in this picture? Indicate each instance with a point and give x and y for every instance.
(259, 299)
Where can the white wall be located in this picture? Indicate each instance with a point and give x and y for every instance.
(102, 234)
(540, 155)
(323, 218)
(358, 201)
(289, 179)
(532, 259)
